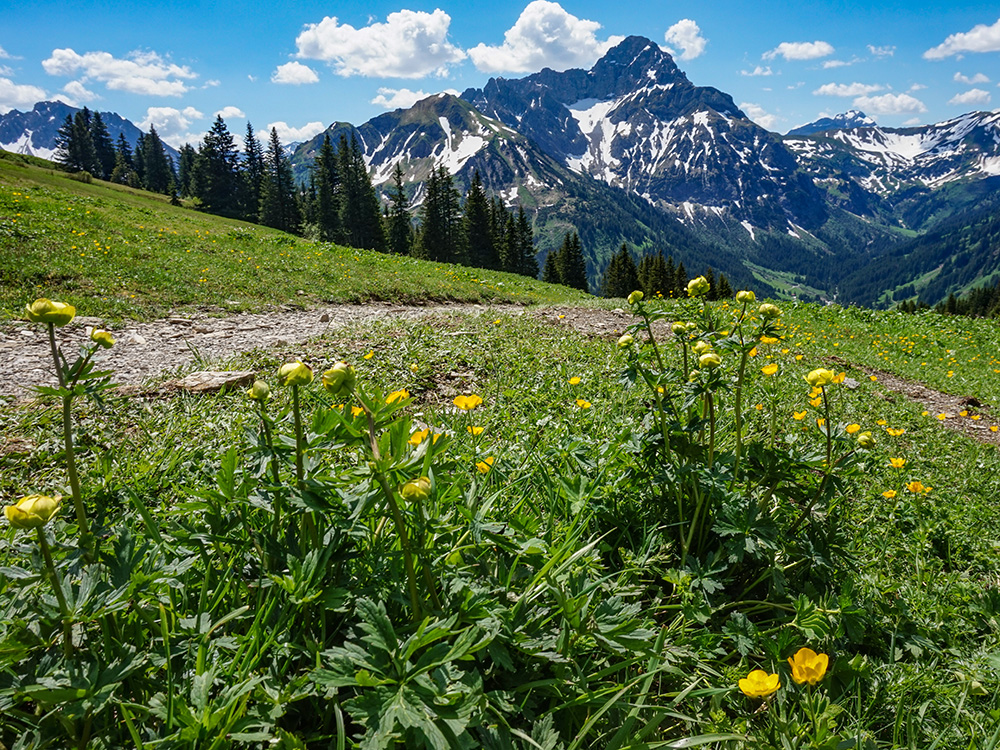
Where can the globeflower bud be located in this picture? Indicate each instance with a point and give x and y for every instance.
(820, 377)
(295, 373)
(102, 338)
(698, 287)
(710, 360)
(702, 347)
(416, 490)
(635, 297)
(339, 380)
(866, 441)
(260, 391)
(679, 329)
(767, 310)
(625, 341)
(747, 297)
(32, 511)
(49, 311)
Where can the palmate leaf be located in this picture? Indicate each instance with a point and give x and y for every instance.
(813, 623)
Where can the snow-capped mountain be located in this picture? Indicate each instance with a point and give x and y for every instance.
(635, 121)
(851, 119)
(34, 132)
(884, 160)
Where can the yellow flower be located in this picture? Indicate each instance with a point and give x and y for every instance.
(260, 391)
(820, 377)
(399, 395)
(808, 666)
(635, 297)
(917, 487)
(752, 352)
(873, 378)
(769, 369)
(759, 684)
(485, 465)
(897, 463)
(474, 430)
(963, 413)
(575, 380)
(414, 368)
(866, 441)
(852, 428)
(799, 415)
(840, 377)
(768, 340)
(625, 341)
(698, 287)
(881, 423)
(709, 360)
(339, 380)
(32, 511)
(818, 401)
(49, 311)
(994, 428)
(942, 416)
(419, 436)
(467, 403)
(582, 403)
(102, 338)
(295, 373)
(889, 494)
(820, 422)
(894, 432)
(357, 411)
(767, 310)
(701, 347)
(370, 354)
(416, 490)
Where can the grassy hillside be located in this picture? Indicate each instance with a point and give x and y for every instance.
(124, 253)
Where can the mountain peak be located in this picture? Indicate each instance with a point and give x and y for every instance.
(853, 118)
(634, 63)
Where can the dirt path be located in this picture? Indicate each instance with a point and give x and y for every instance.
(144, 351)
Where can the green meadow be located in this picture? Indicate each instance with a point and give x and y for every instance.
(484, 531)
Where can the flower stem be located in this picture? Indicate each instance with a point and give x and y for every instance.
(57, 588)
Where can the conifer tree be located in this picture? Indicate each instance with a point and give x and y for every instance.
(621, 276)
(525, 236)
(75, 150)
(572, 268)
(681, 282)
(251, 175)
(476, 226)
(725, 290)
(278, 205)
(441, 220)
(360, 215)
(104, 147)
(669, 277)
(216, 178)
(400, 227)
(158, 172)
(326, 187)
(550, 274)
(713, 287)
(186, 162)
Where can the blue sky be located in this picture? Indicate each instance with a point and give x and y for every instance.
(299, 66)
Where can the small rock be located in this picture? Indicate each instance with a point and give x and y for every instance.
(210, 381)
(851, 384)
(324, 318)
(27, 332)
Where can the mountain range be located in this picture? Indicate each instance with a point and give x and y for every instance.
(632, 151)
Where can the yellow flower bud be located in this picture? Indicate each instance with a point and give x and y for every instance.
(679, 329)
(32, 511)
(260, 391)
(102, 338)
(698, 287)
(295, 373)
(625, 341)
(767, 310)
(339, 380)
(49, 311)
(702, 347)
(866, 441)
(709, 360)
(820, 377)
(635, 297)
(747, 297)
(416, 490)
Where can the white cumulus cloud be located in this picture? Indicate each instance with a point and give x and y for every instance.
(402, 98)
(14, 95)
(800, 51)
(78, 93)
(172, 124)
(759, 115)
(971, 80)
(981, 38)
(230, 112)
(757, 71)
(828, 64)
(294, 73)
(5, 55)
(288, 134)
(972, 96)
(686, 35)
(544, 36)
(410, 44)
(142, 72)
(880, 52)
(848, 89)
(890, 104)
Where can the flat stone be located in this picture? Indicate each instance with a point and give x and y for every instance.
(211, 381)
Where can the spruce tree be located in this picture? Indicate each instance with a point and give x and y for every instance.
(550, 274)
(158, 173)
(573, 270)
(104, 147)
(681, 281)
(216, 178)
(527, 263)
(476, 226)
(251, 175)
(725, 290)
(400, 227)
(123, 147)
(326, 186)
(669, 277)
(278, 206)
(621, 276)
(713, 287)
(441, 220)
(360, 214)
(75, 150)
(186, 169)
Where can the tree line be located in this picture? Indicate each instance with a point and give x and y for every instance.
(655, 276)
